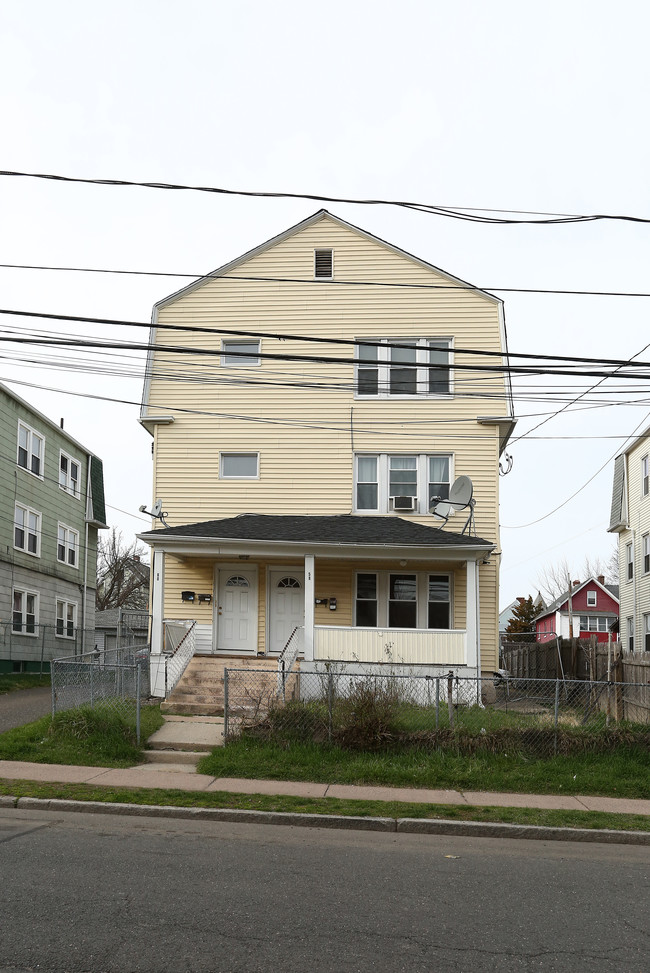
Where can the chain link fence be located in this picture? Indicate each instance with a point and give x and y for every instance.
(116, 680)
(532, 717)
(34, 647)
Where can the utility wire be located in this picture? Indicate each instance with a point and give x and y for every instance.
(461, 213)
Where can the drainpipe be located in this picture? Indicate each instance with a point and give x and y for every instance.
(85, 584)
(478, 634)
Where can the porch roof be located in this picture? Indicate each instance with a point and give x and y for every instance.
(321, 531)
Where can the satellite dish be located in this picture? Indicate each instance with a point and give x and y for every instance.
(461, 495)
(157, 509)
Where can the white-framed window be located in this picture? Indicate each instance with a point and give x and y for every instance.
(31, 450)
(239, 466)
(404, 367)
(402, 599)
(645, 477)
(594, 623)
(386, 482)
(591, 599)
(27, 530)
(66, 619)
(69, 474)
(240, 352)
(25, 612)
(324, 263)
(646, 633)
(646, 553)
(67, 546)
(630, 634)
(629, 559)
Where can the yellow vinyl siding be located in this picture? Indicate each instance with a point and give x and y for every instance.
(307, 432)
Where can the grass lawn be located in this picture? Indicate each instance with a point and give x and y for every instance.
(11, 682)
(305, 805)
(624, 773)
(85, 736)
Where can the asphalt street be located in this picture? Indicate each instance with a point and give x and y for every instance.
(22, 707)
(111, 894)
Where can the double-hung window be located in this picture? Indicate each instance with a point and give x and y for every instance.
(403, 367)
(240, 353)
(386, 482)
(591, 599)
(66, 619)
(27, 530)
(645, 477)
(646, 553)
(629, 559)
(594, 623)
(630, 634)
(646, 633)
(31, 448)
(67, 547)
(402, 599)
(69, 474)
(25, 612)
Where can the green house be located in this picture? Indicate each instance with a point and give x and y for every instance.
(51, 507)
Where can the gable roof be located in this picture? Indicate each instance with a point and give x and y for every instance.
(336, 530)
(611, 589)
(320, 214)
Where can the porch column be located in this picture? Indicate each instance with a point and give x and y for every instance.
(157, 660)
(310, 588)
(471, 614)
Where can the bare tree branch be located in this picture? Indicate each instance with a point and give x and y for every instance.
(122, 574)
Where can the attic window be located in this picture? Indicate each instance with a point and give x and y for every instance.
(324, 263)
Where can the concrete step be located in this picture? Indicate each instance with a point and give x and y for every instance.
(189, 736)
(191, 757)
(191, 709)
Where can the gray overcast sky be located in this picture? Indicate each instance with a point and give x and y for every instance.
(502, 104)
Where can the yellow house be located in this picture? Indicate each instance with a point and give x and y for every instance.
(311, 403)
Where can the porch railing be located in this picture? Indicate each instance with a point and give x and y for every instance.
(400, 646)
(287, 658)
(178, 661)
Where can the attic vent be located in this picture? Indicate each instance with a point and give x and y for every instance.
(323, 263)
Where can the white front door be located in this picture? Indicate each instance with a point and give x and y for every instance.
(236, 615)
(286, 605)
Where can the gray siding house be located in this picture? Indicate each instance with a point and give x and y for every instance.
(51, 507)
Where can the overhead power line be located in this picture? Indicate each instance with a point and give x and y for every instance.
(562, 292)
(460, 213)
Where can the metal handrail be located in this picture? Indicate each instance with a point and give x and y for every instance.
(287, 658)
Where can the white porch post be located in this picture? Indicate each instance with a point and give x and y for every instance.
(157, 660)
(472, 619)
(310, 588)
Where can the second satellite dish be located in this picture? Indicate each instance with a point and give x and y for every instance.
(461, 495)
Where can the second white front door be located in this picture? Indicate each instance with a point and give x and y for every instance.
(236, 617)
(286, 606)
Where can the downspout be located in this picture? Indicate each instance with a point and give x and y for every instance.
(478, 636)
(85, 583)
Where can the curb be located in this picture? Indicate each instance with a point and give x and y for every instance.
(433, 826)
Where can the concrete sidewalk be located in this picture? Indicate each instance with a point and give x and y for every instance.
(182, 776)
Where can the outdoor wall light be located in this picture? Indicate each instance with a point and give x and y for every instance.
(322, 601)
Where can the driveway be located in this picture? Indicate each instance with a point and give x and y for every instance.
(24, 706)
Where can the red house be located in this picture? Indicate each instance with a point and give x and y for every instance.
(593, 606)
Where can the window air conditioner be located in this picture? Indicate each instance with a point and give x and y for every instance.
(403, 503)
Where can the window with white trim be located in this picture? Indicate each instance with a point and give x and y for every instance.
(67, 546)
(646, 553)
(66, 619)
(386, 482)
(402, 599)
(404, 367)
(25, 612)
(27, 530)
(645, 477)
(591, 599)
(594, 623)
(630, 634)
(69, 474)
(646, 633)
(324, 264)
(239, 466)
(629, 559)
(240, 353)
(31, 449)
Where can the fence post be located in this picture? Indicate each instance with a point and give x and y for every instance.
(225, 701)
(92, 666)
(42, 647)
(330, 704)
(437, 702)
(137, 703)
(450, 697)
(53, 674)
(557, 709)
